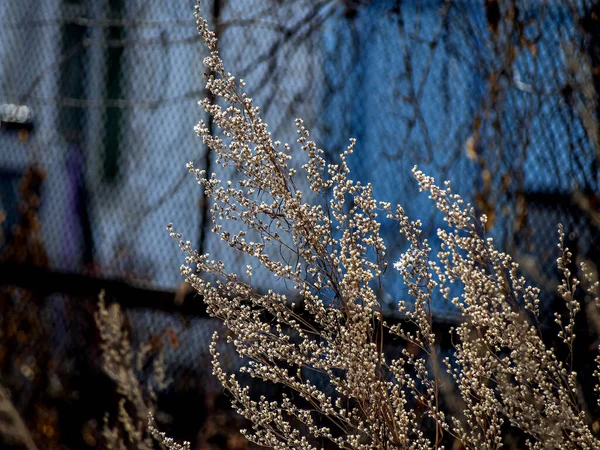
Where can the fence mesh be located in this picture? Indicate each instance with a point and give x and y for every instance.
(98, 100)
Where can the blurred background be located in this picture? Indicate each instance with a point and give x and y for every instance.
(98, 100)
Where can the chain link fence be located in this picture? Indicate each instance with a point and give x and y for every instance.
(98, 100)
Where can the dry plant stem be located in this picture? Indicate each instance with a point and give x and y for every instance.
(321, 232)
(13, 430)
(122, 364)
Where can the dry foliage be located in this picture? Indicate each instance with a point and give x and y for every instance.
(324, 241)
(132, 428)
